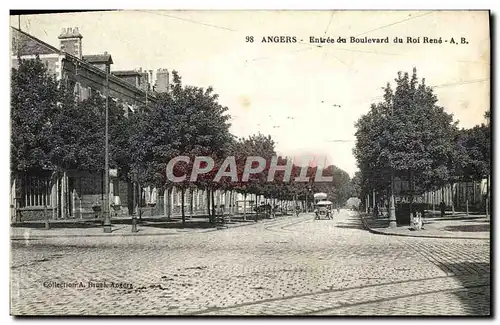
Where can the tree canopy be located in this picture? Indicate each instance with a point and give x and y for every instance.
(409, 136)
(52, 129)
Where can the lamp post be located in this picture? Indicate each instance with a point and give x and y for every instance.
(134, 215)
(107, 220)
(392, 208)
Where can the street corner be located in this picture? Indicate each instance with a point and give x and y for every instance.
(469, 228)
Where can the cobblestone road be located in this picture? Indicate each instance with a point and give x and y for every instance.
(287, 266)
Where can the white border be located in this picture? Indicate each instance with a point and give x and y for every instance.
(194, 4)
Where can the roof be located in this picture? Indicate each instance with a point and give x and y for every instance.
(320, 195)
(25, 44)
(98, 58)
(30, 43)
(126, 73)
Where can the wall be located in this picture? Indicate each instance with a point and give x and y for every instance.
(33, 214)
(50, 61)
(130, 79)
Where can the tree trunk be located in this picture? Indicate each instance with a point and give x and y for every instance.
(411, 192)
(140, 200)
(58, 198)
(227, 205)
(452, 191)
(191, 194)
(182, 205)
(213, 204)
(245, 206)
(169, 207)
(488, 197)
(473, 192)
(433, 201)
(165, 202)
(208, 205)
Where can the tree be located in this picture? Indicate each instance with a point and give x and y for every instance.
(51, 129)
(473, 155)
(474, 148)
(257, 145)
(356, 184)
(34, 101)
(408, 135)
(188, 121)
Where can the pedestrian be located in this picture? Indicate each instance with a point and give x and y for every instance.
(442, 207)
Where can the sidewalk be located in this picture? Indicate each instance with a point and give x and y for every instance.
(452, 227)
(151, 226)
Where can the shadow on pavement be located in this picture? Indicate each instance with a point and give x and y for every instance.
(468, 228)
(475, 278)
(350, 223)
(451, 218)
(478, 221)
(97, 223)
(377, 223)
(195, 222)
(180, 225)
(59, 225)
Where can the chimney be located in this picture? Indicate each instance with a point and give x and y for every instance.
(71, 41)
(162, 81)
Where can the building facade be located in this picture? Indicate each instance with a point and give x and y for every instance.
(75, 194)
(461, 196)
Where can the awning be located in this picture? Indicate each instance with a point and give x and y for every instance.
(320, 196)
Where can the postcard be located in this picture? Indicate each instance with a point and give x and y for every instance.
(250, 163)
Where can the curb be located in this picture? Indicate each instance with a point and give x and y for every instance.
(40, 237)
(378, 232)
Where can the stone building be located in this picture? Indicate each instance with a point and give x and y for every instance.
(74, 194)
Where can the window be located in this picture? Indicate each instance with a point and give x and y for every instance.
(86, 91)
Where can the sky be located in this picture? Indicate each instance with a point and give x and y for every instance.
(306, 97)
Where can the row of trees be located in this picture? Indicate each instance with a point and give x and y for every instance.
(51, 130)
(409, 136)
